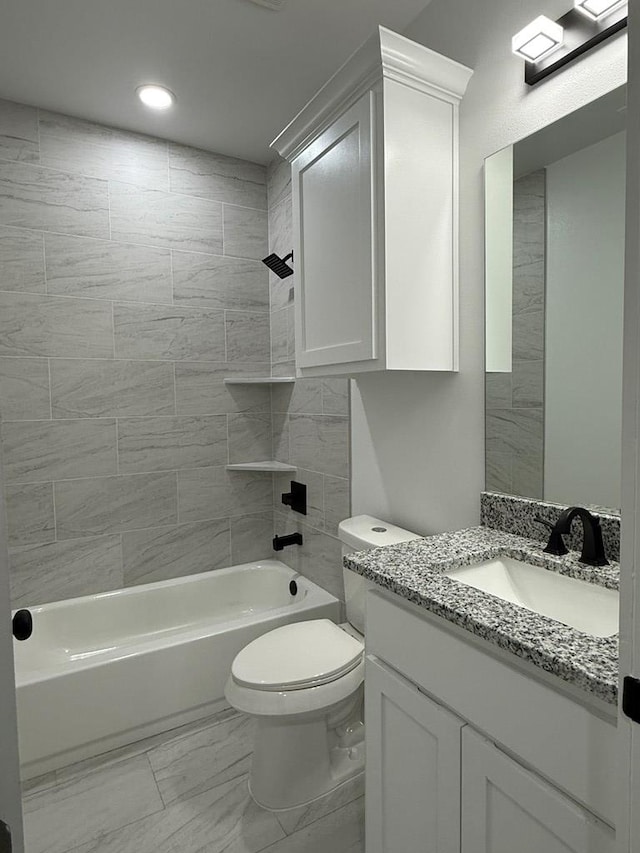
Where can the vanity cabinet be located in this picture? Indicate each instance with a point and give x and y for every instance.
(454, 764)
(506, 807)
(375, 211)
(412, 768)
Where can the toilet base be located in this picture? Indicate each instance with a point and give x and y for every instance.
(350, 778)
(299, 760)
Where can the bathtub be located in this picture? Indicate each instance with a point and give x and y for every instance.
(105, 670)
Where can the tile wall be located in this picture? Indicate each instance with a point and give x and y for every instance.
(130, 286)
(310, 421)
(515, 401)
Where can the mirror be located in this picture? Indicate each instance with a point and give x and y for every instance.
(555, 218)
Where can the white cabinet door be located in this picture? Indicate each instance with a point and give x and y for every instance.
(333, 185)
(413, 768)
(506, 808)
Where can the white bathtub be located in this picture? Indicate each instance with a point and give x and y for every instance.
(105, 670)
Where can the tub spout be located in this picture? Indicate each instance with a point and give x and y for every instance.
(280, 542)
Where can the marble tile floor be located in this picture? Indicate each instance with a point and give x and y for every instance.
(184, 791)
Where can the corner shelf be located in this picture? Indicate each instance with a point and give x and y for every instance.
(266, 467)
(259, 380)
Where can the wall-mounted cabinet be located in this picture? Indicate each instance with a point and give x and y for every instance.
(374, 159)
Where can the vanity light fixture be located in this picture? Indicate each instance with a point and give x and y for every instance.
(537, 39)
(156, 97)
(597, 9)
(547, 46)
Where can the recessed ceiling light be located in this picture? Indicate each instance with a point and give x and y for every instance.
(597, 9)
(537, 39)
(156, 97)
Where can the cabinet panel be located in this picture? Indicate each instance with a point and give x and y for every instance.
(333, 204)
(507, 808)
(412, 770)
(577, 752)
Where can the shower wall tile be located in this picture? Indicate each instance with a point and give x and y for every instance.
(528, 383)
(279, 335)
(245, 232)
(24, 389)
(81, 147)
(39, 451)
(337, 502)
(247, 336)
(205, 493)
(209, 281)
(200, 389)
(122, 310)
(251, 538)
(169, 333)
(162, 444)
(278, 181)
(47, 200)
(33, 325)
(214, 176)
(314, 482)
(92, 506)
(105, 388)
(528, 336)
(30, 513)
(319, 558)
(186, 549)
(335, 396)
(18, 132)
(304, 396)
(59, 570)
(101, 269)
(498, 394)
(320, 443)
(281, 437)
(155, 218)
(21, 260)
(250, 438)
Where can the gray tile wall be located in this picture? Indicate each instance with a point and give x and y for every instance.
(310, 421)
(130, 286)
(515, 401)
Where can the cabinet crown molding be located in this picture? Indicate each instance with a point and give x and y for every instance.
(385, 55)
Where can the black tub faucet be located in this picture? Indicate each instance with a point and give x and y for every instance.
(592, 544)
(280, 542)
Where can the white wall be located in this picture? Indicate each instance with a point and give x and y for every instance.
(418, 439)
(584, 295)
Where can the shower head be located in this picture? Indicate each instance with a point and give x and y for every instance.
(279, 265)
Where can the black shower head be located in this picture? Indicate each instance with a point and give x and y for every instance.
(279, 265)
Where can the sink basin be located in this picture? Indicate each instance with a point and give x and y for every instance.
(589, 608)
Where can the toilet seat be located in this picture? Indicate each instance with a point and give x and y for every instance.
(299, 656)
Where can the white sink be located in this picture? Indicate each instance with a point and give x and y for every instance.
(585, 606)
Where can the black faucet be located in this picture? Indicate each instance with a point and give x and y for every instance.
(280, 542)
(592, 544)
(555, 545)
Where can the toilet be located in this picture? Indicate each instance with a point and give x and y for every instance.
(304, 684)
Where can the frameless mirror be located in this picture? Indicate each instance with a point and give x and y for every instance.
(555, 219)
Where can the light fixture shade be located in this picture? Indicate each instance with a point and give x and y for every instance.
(538, 39)
(156, 97)
(596, 9)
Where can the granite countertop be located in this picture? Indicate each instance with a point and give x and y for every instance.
(414, 570)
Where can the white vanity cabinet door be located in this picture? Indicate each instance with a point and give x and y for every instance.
(506, 808)
(412, 768)
(333, 220)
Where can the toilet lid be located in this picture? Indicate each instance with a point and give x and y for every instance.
(296, 656)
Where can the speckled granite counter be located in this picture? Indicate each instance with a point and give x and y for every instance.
(414, 570)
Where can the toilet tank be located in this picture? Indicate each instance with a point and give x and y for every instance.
(361, 533)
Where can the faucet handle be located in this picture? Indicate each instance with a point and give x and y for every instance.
(555, 545)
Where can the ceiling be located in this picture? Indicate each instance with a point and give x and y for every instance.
(240, 71)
